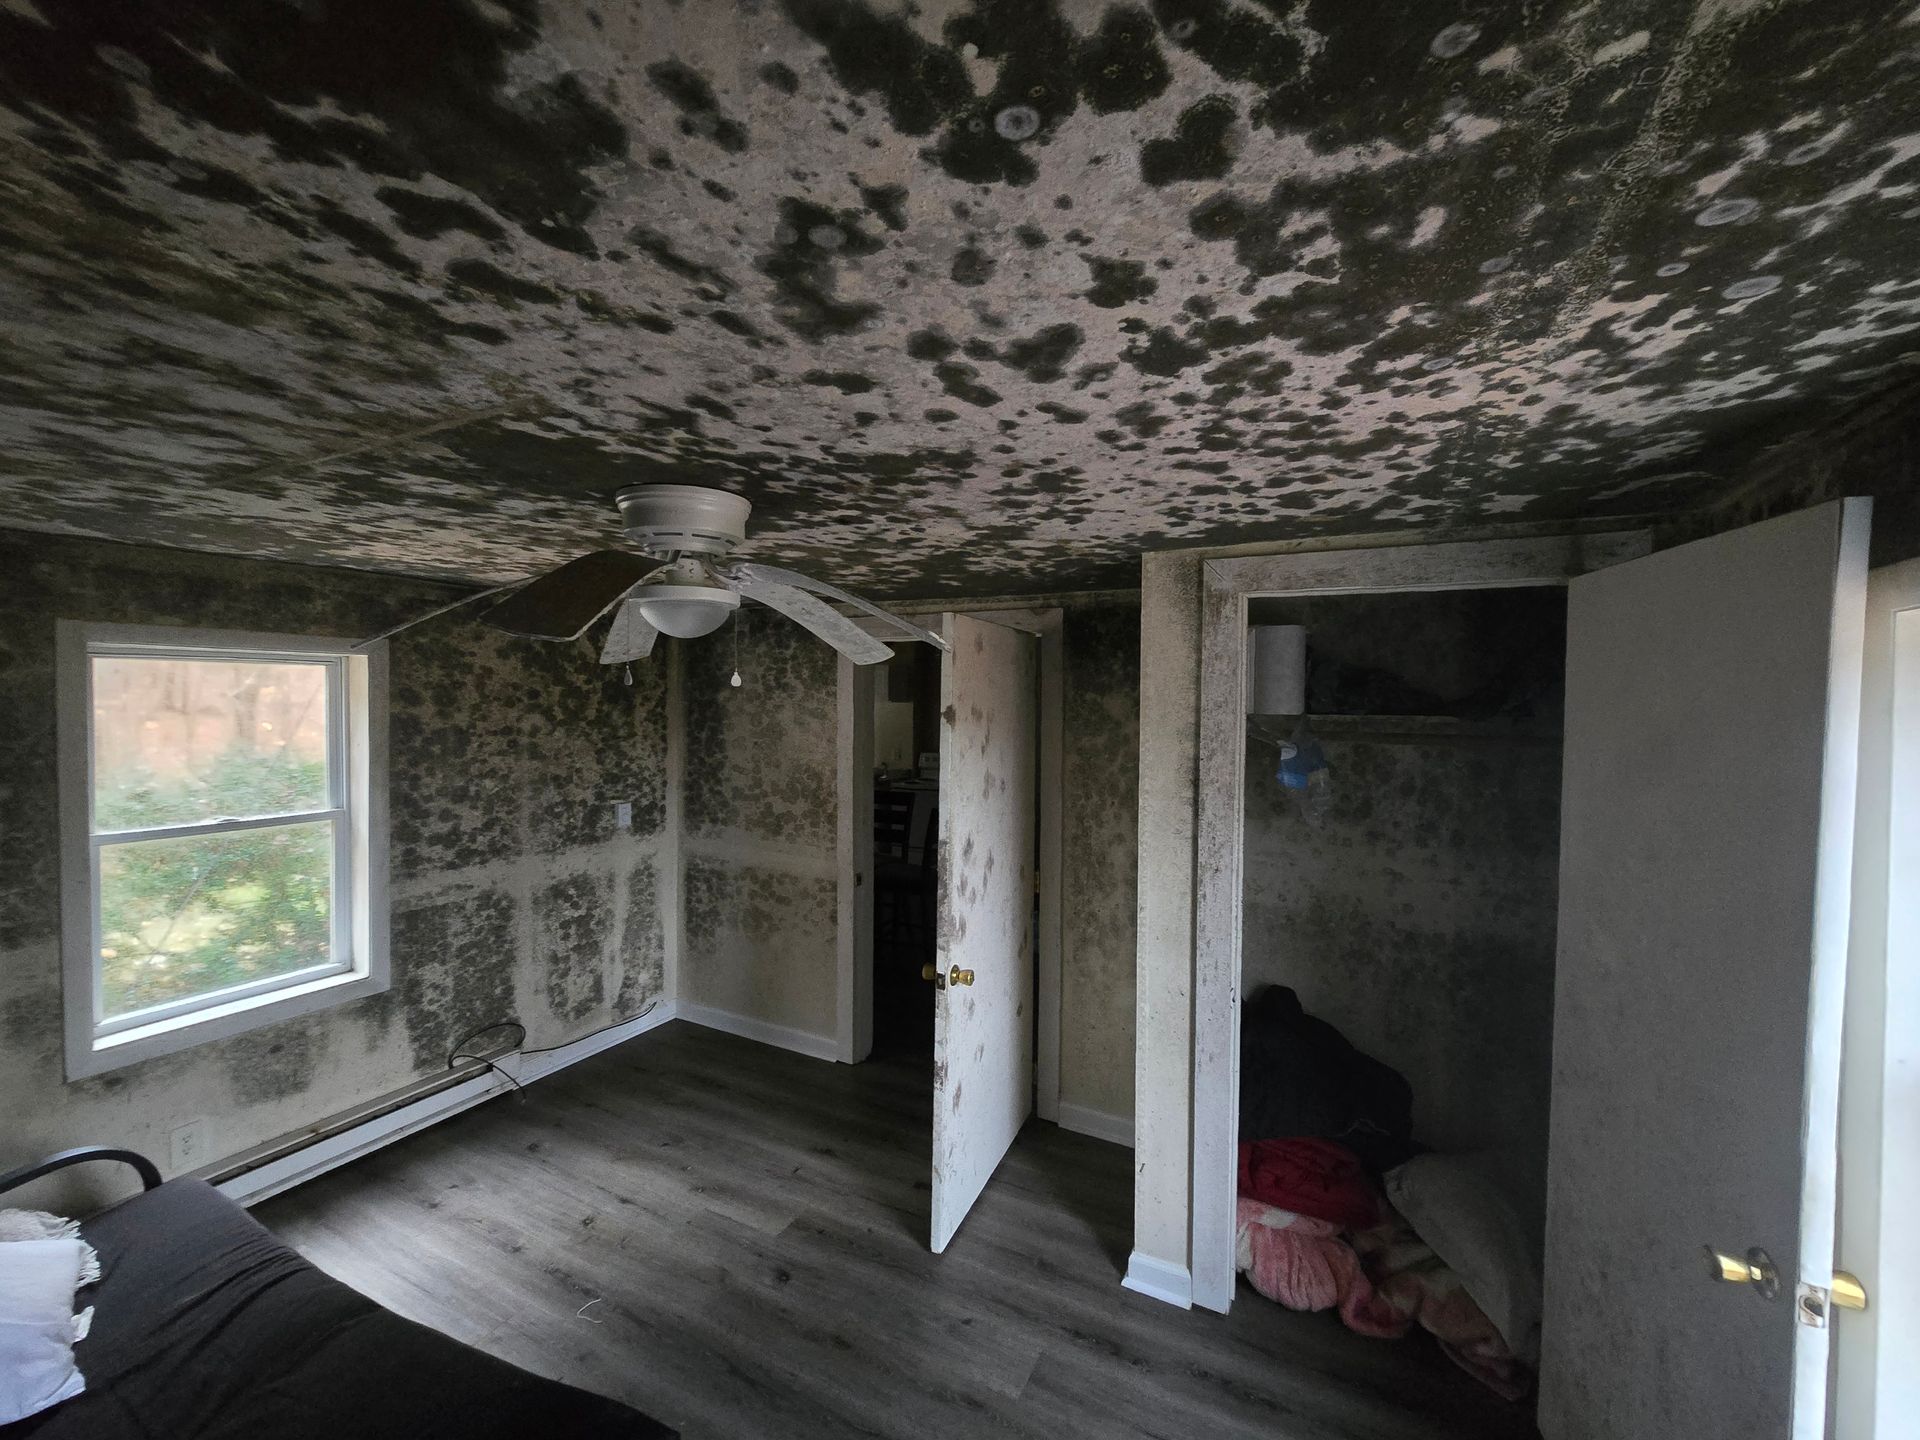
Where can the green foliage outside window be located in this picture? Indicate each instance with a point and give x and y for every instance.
(186, 915)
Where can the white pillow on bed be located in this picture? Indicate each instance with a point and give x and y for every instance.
(37, 1324)
(1455, 1206)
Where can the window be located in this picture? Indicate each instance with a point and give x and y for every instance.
(223, 839)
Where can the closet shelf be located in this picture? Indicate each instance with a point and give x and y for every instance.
(1330, 727)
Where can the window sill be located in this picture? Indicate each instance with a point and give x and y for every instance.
(88, 1055)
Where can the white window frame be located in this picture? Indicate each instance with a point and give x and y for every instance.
(355, 805)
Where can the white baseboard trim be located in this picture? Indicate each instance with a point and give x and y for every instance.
(532, 1067)
(330, 1152)
(1159, 1279)
(804, 1042)
(1084, 1120)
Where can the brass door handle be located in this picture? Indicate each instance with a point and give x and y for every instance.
(957, 976)
(1757, 1270)
(930, 972)
(1848, 1292)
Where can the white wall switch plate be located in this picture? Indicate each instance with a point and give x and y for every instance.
(187, 1147)
(623, 814)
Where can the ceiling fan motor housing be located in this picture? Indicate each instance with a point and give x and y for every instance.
(683, 519)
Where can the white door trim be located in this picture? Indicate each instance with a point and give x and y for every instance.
(1880, 1051)
(854, 1010)
(1226, 587)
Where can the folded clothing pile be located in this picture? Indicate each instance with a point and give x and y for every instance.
(43, 1263)
(1323, 1249)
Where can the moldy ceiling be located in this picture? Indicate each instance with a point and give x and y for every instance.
(969, 295)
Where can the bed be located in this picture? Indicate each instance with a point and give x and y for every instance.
(205, 1325)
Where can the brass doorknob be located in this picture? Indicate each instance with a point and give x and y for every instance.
(1848, 1292)
(1757, 1270)
(930, 973)
(957, 976)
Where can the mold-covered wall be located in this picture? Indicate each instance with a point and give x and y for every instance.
(1100, 854)
(758, 842)
(1418, 915)
(513, 895)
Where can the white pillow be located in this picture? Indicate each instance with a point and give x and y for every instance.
(1454, 1205)
(37, 1325)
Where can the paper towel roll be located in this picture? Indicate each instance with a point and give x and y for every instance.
(1276, 669)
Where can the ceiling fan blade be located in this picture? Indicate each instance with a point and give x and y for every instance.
(747, 570)
(811, 614)
(561, 604)
(630, 638)
(436, 613)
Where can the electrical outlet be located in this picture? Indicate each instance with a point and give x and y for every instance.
(188, 1146)
(623, 814)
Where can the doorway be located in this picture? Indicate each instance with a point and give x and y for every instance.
(986, 856)
(903, 898)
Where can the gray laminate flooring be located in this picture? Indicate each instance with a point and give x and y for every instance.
(733, 1238)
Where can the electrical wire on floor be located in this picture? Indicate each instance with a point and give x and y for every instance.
(519, 1046)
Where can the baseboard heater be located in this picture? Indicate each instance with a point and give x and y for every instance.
(280, 1164)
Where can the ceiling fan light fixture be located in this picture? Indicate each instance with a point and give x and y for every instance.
(687, 612)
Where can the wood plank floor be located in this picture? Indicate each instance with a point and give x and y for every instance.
(733, 1238)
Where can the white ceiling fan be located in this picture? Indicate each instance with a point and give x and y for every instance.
(678, 581)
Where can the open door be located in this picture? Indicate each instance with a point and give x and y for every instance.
(1713, 700)
(983, 1035)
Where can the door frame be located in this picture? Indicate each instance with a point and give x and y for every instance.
(854, 1007)
(1227, 585)
(1881, 1038)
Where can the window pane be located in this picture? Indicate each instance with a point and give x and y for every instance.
(180, 741)
(188, 916)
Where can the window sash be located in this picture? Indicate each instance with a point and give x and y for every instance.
(341, 899)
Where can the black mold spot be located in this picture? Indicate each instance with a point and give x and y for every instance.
(1036, 88)
(802, 268)
(1234, 42)
(364, 236)
(972, 266)
(1200, 148)
(404, 96)
(431, 216)
(1062, 414)
(929, 345)
(718, 409)
(919, 83)
(479, 275)
(1121, 67)
(845, 381)
(1118, 282)
(1043, 355)
(1031, 236)
(962, 382)
(710, 283)
(889, 202)
(781, 77)
(1141, 418)
(453, 966)
(275, 1063)
(571, 920)
(700, 113)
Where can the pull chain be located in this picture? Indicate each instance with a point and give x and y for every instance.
(736, 649)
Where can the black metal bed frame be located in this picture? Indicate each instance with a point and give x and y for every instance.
(148, 1172)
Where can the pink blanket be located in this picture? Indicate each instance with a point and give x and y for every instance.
(1382, 1281)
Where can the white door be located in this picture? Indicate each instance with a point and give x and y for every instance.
(1713, 699)
(983, 1037)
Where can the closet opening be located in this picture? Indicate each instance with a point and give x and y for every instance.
(1398, 911)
